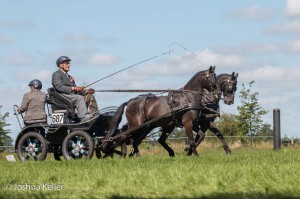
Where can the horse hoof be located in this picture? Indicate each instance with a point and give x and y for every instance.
(172, 154)
(187, 148)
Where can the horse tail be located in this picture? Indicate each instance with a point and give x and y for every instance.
(116, 119)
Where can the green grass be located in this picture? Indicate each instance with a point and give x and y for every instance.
(244, 174)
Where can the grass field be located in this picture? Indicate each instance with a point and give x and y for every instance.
(247, 173)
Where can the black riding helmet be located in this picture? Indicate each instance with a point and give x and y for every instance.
(37, 84)
(62, 59)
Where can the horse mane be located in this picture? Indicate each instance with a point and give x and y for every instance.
(192, 79)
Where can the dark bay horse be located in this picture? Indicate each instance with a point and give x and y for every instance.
(226, 83)
(142, 109)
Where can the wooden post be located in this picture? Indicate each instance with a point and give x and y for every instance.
(276, 128)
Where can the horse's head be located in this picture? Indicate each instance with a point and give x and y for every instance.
(210, 82)
(203, 80)
(227, 83)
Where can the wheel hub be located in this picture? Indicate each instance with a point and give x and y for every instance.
(31, 149)
(77, 148)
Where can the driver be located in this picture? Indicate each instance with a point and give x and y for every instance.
(33, 104)
(65, 84)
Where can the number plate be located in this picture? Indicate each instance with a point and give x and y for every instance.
(57, 118)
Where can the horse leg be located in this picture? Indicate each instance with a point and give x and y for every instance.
(135, 150)
(136, 141)
(201, 134)
(195, 129)
(199, 137)
(162, 140)
(124, 150)
(220, 136)
(188, 125)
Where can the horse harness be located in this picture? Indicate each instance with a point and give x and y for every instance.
(190, 103)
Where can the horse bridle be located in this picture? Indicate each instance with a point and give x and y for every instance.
(228, 81)
(207, 76)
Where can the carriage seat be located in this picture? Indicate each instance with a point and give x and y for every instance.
(59, 103)
(31, 122)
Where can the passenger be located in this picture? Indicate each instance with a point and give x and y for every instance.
(65, 84)
(33, 104)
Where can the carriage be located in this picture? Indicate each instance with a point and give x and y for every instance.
(67, 137)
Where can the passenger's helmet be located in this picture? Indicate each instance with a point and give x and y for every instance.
(37, 84)
(62, 59)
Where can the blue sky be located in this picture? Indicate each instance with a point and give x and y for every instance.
(259, 39)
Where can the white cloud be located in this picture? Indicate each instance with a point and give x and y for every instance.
(272, 74)
(294, 46)
(292, 8)
(208, 57)
(175, 71)
(5, 39)
(107, 39)
(82, 37)
(18, 59)
(43, 75)
(191, 63)
(292, 26)
(17, 24)
(79, 37)
(260, 48)
(249, 48)
(252, 13)
(103, 59)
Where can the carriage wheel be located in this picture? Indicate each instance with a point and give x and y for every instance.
(78, 145)
(32, 146)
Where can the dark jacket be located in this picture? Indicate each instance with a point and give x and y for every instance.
(62, 82)
(34, 105)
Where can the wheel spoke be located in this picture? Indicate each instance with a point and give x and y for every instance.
(38, 149)
(29, 142)
(71, 143)
(24, 149)
(34, 156)
(35, 142)
(71, 152)
(78, 140)
(27, 156)
(76, 154)
(83, 152)
(85, 143)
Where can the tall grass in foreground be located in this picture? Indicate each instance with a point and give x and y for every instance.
(245, 174)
